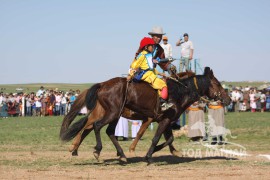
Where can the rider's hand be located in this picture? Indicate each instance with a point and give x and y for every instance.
(155, 61)
(129, 78)
(162, 74)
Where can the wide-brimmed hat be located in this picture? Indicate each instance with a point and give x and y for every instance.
(156, 30)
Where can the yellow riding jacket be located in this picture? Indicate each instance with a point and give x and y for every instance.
(144, 61)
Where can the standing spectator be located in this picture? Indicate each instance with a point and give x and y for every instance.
(246, 99)
(40, 91)
(51, 103)
(196, 126)
(263, 101)
(187, 51)
(257, 99)
(11, 103)
(58, 99)
(63, 104)
(236, 96)
(267, 101)
(135, 127)
(43, 101)
(216, 122)
(121, 129)
(252, 99)
(3, 106)
(38, 105)
(166, 47)
(28, 105)
(72, 98)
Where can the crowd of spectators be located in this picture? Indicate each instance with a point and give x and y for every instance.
(249, 99)
(58, 103)
(42, 103)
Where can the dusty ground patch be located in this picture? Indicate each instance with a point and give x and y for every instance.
(60, 165)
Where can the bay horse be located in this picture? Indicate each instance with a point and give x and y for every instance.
(127, 113)
(106, 101)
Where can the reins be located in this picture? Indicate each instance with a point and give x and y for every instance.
(124, 102)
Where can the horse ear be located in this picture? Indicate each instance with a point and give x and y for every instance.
(208, 72)
(211, 73)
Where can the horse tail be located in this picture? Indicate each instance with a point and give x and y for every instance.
(75, 128)
(91, 97)
(83, 99)
(75, 109)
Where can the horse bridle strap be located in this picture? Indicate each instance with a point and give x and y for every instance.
(195, 83)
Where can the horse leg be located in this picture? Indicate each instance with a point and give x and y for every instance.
(96, 115)
(140, 133)
(97, 127)
(110, 132)
(78, 140)
(169, 139)
(163, 125)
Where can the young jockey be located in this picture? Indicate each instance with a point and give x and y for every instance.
(142, 68)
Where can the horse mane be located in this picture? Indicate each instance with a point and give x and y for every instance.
(183, 75)
(177, 90)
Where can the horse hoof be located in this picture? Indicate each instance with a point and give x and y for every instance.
(123, 159)
(131, 150)
(96, 155)
(75, 153)
(149, 161)
(72, 148)
(176, 153)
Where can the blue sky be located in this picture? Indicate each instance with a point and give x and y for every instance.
(91, 41)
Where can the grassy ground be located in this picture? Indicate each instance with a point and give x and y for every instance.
(31, 149)
(35, 133)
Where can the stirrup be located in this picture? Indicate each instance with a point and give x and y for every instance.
(165, 106)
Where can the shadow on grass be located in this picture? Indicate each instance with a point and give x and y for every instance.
(159, 161)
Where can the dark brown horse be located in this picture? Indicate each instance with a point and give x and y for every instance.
(105, 101)
(131, 115)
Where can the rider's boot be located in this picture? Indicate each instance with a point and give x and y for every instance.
(164, 103)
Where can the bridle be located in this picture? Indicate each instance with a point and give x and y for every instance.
(217, 94)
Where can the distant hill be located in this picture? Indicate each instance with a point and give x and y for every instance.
(7, 88)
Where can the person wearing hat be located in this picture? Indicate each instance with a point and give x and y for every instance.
(187, 50)
(166, 47)
(143, 69)
(158, 53)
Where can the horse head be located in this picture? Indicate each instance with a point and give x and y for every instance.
(216, 91)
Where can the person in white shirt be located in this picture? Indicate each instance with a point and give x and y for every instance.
(187, 50)
(38, 106)
(1, 99)
(236, 96)
(40, 91)
(63, 105)
(263, 101)
(58, 99)
(166, 47)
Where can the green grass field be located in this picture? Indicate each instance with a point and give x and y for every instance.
(30, 148)
(42, 133)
